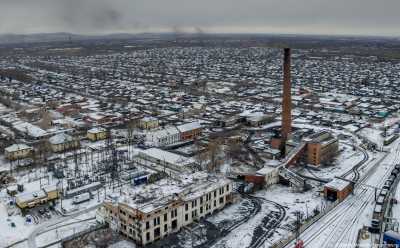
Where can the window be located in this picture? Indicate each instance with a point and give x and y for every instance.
(215, 194)
(156, 221)
(174, 224)
(201, 200)
(157, 232)
(221, 200)
(186, 207)
(215, 203)
(227, 187)
(165, 217)
(174, 213)
(147, 236)
(147, 225)
(201, 210)
(186, 217)
(165, 228)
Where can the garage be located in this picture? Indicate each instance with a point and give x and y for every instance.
(337, 189)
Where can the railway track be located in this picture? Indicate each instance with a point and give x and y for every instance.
(342, 223)
(355, 169)
(269, 223)
(256, 210)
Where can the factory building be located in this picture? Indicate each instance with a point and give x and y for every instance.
(151, 212)
(321, 147)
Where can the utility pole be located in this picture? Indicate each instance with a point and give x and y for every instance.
(299, 242)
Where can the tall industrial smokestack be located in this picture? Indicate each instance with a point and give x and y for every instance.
(287, 99)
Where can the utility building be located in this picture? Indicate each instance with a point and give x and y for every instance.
(337, 189)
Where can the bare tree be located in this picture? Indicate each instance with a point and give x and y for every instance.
(201, 155)
(233, 149)
(46, 120)
(213, 152)
(42, 152)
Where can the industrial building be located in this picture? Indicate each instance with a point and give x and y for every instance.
(321, 147)
(32, 199)
(337, 189)
(165, 161)
(148, 213)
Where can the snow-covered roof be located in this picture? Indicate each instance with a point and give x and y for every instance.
(148, 198)
(30, 129)
(168, 131)
(97, 130)
(266, 170)
(60, 139)
(30, 196)
(168, 157)
(189, 126)
(337, 184)
(17, 147)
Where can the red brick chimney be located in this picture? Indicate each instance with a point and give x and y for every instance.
(287, 99)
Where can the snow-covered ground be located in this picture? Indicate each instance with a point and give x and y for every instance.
(9, 234)
(67, 228)
(340, 226)
(373, 135)
(243, 235)
(347, 159)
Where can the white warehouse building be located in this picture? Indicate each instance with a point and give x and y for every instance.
(164, 137)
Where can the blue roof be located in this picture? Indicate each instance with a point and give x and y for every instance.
(392, 234)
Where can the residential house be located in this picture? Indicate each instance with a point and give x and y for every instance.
(18, 151)
(63, 142)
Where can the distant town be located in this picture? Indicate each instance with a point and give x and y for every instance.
(181, 141)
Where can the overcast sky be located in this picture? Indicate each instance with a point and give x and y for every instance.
(369, 17)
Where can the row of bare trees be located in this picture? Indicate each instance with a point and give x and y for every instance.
(212, 155)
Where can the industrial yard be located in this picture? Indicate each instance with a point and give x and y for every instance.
(189, 142)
